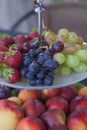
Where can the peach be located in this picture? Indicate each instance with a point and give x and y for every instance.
(68, 92)
(10, 115)
(31, 123)
(16, 100)
(47, 93)
(34, 107)
(55, 119)
(79, 102)
(59, 103)
(83, 91)
(77, 120)
(25, 94)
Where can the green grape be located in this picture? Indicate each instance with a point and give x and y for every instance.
(78, 47)
(72, 61)
(63, 34)
(84, 45)
(59, 57)
(69, 49)
(82, 67)
(82, 54)
(65, 70)
(73, 38)
(56, 71)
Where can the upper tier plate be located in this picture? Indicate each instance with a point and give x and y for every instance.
(59, 81)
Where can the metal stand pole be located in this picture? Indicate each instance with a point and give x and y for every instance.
(39, 9)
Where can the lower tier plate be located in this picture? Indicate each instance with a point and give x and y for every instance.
(59, 81)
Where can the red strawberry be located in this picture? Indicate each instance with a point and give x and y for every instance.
(32, 35)
(2, 54)
(13, 58)
(20, 39)
(3, 48)
(6, 41)
(11, 75)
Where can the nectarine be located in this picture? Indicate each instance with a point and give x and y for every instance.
(31, 123)
(55, 119)
(83, 91)
(59, 103)
(25, 94)
(77, 120)
(34, 107)
(79, 102)
(10, 115)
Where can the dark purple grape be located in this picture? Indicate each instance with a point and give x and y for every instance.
(27, 61)
(32, 53)
(48, 80)
(25, 47)
(32, 82)
(44, 45)
(30, 75)
(50, 64)
(23, 71)
(58, 46)
(34, 67)
(34, 43)
(4, 92)
(40, 75)
(50, 52)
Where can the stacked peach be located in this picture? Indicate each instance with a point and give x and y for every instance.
(52, 109)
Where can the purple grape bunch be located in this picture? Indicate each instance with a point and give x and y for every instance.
(38, 67)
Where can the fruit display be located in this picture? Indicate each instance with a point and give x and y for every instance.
(26, 58)
(50, 109)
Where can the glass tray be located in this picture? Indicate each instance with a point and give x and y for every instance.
(59, 81)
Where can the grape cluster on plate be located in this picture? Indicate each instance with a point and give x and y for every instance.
(38, 67)
(38, 62)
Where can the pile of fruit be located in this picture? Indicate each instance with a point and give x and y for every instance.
(24, 57)
(48, 109)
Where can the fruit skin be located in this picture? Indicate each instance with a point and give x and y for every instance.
(83, 91)
(78, 103)
(10, 115)
(4, 92)
(25, 94)
(31, 123)
(20, 39)
(34, 107)
(7, 41)
(14, 60)
(58, 102)
(32, 35)
(3, 48)
(16, 100)
(2, 54)
(47, 93)
(11, 75)
(68, 92)
(55, 119)
(77, 120)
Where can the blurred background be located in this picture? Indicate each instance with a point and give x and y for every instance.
(19, 15)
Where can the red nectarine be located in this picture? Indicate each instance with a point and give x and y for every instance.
(34, 107)
(10, 115)
(31, 123)
(59, 103)
(55, 119)
(77, 120)
(79, 102)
